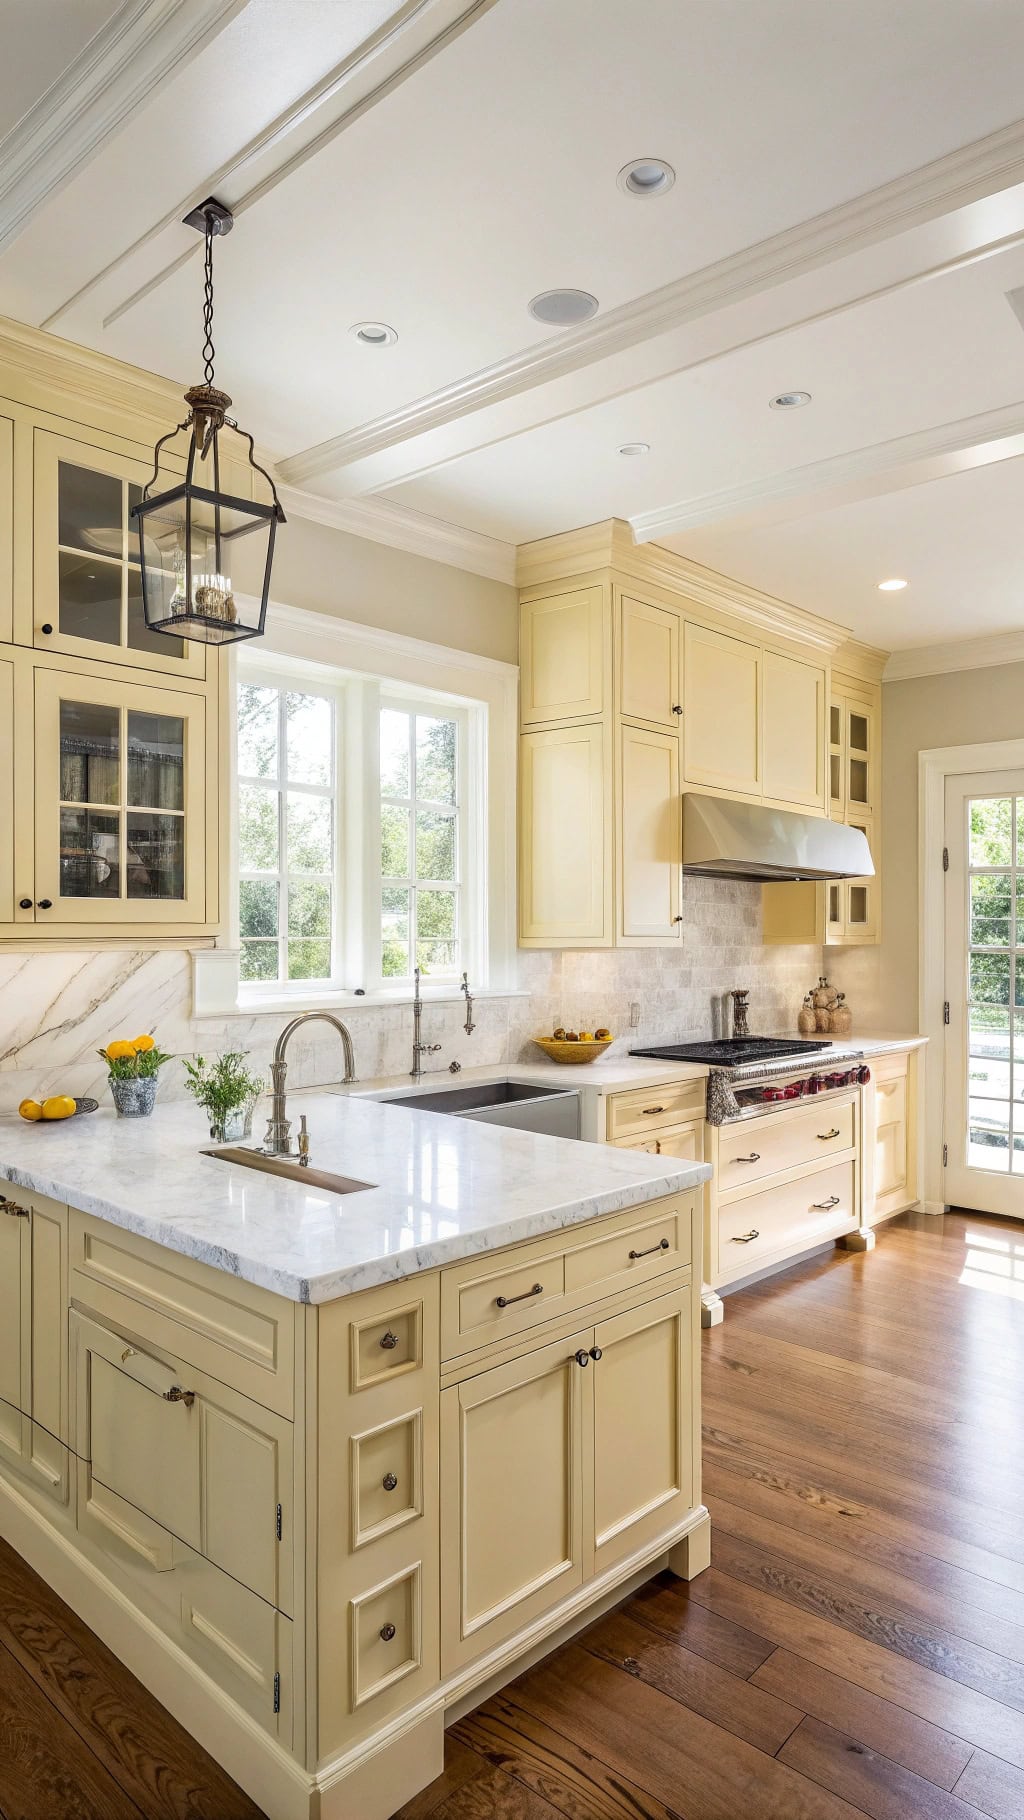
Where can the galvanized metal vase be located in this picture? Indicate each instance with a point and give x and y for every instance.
(134, 1099)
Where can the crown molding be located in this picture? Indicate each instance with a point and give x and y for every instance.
(864, 662)
(940, 442)
(610, 545)
(954, 655)
(381, 521)
(36, 358)
(951, 182)
(143, 42)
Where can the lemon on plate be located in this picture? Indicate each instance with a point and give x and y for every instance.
(59, 1106)
(30, 1109)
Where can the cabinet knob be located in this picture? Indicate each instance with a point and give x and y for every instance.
(582, 1357)
(44, 903)
(389, 1481)
(46, 629)
(677, 708)
(678, 919)
(24, 903)
(387, 1633)
(389, 1340)
(596, 1353)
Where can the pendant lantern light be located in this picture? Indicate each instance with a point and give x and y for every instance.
(188, 532)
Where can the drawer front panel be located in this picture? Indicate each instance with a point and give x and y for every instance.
(504, 1296)
(387, 1477)
(385, 1346)
(761, 1147)
(237, 1332)
(385, 1635)
(686, 1142)
(647, 1109)
(643, 1249)
(786, 1218)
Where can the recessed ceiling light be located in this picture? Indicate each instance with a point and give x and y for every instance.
(893, 586)
(563, 309)
(374, 334)
(646, 177)
(634, 448)
(789, 401)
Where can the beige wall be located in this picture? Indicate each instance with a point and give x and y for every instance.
(329, 571)
(953, 710)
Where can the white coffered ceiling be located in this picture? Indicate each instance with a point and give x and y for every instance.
(847, 219)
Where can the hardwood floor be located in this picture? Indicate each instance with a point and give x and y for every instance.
(857, 1645)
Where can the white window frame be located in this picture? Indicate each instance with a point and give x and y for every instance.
(467, 835)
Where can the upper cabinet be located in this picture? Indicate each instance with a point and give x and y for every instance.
(722, 736)
(649, 668)
(793, 737)
(87, 595)
(564, 657)
(6, 530)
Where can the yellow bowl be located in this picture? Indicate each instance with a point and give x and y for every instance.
(559, 1051)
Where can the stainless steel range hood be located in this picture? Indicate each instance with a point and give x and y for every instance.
(723, 839)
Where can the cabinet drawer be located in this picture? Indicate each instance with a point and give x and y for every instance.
(386, 1345)
(685, 1141)
(239, 1333)
(637, 1250)
(783, 1140)
(786, 1219)
(385, 1635)
(240, 1640)
(204, 1464)
(649, 1108)
(387, 1477)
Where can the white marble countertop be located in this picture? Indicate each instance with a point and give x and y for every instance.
(439, 1188)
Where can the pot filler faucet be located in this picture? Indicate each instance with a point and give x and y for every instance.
(277, 1141)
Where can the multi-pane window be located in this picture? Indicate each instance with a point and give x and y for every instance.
(995, 984)
(287, 832)
(420, 911)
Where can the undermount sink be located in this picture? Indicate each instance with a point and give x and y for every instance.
(520, 1106)
(289, 1167)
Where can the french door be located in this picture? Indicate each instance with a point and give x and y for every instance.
(984, 1060)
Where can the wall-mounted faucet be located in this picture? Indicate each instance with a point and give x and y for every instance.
(469, 1025)
(419, 1047)
(278, 1142)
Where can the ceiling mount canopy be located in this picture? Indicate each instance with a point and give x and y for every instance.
(188, 530)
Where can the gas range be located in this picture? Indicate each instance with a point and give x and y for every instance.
(757, 1074)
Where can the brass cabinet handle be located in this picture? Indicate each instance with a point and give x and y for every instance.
(389, 1340)
(825, 1135)
(582, 1357)
(506, 1301)
(177, 1395)
(387, 1633)
(825, 1206)
(744, 1238)
(662, 1245)
(649, 1111)
(754, 1157)
(389, 1481)
(128, 1353)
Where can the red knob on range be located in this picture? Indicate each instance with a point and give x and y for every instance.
(864, 1075)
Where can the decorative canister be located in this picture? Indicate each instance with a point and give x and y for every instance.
(806, 1022)
(134, 1099)
(842, 1016)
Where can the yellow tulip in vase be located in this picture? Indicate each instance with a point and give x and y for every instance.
(133, 1065)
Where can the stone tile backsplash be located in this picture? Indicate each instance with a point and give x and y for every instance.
(57, 1010)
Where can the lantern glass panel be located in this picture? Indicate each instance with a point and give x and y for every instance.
(188, 544)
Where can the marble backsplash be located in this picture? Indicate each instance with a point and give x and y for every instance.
(57, 1010)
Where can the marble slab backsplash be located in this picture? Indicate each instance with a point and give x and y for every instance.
(57, 1010)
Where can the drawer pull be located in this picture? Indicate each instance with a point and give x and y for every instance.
(649, 1111)
(128, 1353)
(825, 1135)
(389, 1481)
(12, 1208)
(389, 1340)
(582, 1358)
(744, 1238)
(754, 1157)
(388, 1633)
(825, 1206)
(177, 1395)
(662, 1245)
(506, 1301)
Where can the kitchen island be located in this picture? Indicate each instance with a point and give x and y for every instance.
(324, 1468)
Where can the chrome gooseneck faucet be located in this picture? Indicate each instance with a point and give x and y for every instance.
(278, 1142)
(469, 1025)
(419, 1047)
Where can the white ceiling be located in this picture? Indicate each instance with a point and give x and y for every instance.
(848, 217)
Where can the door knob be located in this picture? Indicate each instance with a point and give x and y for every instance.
(389, 1481)
(596, 1353)
(387, 1632)
(24, 903)
(582, 1357)
(44, 903)
(47, 629)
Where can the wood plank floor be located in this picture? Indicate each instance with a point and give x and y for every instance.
(857, 1646)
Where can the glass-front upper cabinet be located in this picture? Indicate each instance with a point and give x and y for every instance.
(120, 802)
(6, 530)
(87, 584)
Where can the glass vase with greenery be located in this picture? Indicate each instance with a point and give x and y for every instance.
(227, 1091)
(133, 1066)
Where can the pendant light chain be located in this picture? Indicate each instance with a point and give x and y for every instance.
(208, 347)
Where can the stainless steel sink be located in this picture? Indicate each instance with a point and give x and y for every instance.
(554, 1111)
(289, 1167)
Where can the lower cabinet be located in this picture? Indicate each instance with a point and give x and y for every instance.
(33, 1337)
(559, 1463)
(891, 1137)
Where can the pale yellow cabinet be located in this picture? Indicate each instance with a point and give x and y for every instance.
(721, 711)
(793, 707)
(649, 837)
(891, 1135)
(564, 660)
(642, 1425)
(649, 662)
(565, 838)
(6, 529)
(121, 800)
(7, 833)
(33, 1337)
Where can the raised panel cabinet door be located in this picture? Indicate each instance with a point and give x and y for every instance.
(6, 791)
(642, 1391)
(890, 1136)
(649, 650)
(721, 711)
(87, 581)
(120, 832)
(794, 731)
(14, 1323)
(512, 1487)
(650, 837)
(6, 530)
(564, 656)
(565, 878)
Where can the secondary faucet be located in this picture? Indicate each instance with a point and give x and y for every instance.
(419, 1047)
(278, 1141)
(469, 1025)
